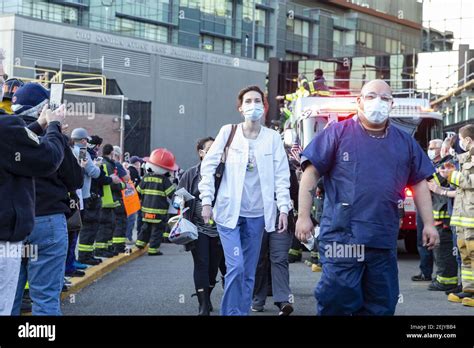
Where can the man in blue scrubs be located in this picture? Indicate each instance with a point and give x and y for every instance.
(366, 163)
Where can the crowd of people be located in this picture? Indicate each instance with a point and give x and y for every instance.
(67, 195)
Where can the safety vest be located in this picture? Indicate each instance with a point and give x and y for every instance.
(107, 197)
(463, 211)
(440, 203)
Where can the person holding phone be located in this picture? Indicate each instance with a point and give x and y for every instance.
(256, 171)
(44, 155)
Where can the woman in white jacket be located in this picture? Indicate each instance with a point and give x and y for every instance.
(256, 172)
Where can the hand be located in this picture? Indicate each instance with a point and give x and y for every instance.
(42, 121)
(430, 237)
(445, 172)
(64, 128)
(280, 97)
(115, 179)
(435, 188)
(282, 222)
(206, 213)
(83, 163)
(304, 229)
(57, 115)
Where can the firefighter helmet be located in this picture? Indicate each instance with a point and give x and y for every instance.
(164, 159)
(10, 87)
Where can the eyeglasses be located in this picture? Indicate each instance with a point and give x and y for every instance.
(372, 96)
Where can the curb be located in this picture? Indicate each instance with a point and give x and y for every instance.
(96, 272)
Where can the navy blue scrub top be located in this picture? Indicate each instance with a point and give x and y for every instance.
(365, 179)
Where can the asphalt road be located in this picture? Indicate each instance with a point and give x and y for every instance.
(163, 285)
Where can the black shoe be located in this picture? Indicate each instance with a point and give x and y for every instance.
(76, 273)
(285, 309)
(223, 282)
(258, 309)
(155, 254)
(437, 286)
(119, 249)
(65, 288)
(103, 253)
(203, 298)
(211, 308)
(421, 278)
(92, 261)
(293, 258)
(455, 290)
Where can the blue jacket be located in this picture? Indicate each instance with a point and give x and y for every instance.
(22, 156)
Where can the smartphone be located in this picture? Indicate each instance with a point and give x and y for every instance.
(83, 154)
(56, 96)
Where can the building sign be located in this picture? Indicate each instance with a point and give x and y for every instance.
(153, 48)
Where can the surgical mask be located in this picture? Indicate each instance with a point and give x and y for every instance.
(463, 145)
(452, 152)
(252, 112)
(376, 111)
(431, 154)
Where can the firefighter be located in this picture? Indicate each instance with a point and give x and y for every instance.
(9, 88)
(155, 190)
(109, 203)
(447, 269)
(463, 213)
(117, 244)
(92, 207)
(303, 90)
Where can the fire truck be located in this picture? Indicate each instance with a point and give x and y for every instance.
(413, 115)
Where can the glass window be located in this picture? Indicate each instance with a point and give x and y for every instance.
(207, 43)
(305, 29)
(337, 37)
(260, 53)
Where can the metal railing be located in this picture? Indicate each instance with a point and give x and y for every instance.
(73, 81)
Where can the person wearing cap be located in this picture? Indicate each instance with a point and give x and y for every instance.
(135, 170)
(80, 138)
(23, 155)
(45, 273)
(9, 89)
(155, 189)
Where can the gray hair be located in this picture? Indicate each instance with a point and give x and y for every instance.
(437, 142)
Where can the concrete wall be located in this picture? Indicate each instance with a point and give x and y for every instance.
(192, 92)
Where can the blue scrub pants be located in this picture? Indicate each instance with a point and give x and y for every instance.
(241, 251)
(352, 287)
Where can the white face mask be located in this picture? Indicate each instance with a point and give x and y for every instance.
(431, 154)
(462, 145)
(376, 111)
(252, 112)
(452, 152)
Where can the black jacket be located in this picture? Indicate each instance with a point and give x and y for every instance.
(22, 156)
(134, 175)
(52, 191)
(190, 181)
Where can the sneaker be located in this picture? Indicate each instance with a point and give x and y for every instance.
(79, 265)
(437, 286)
(285, 309)
(459, 296)
(256, 308)
(421, 278)
(316, 268)
(130, 242)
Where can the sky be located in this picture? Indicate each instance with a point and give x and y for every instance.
(453, 15)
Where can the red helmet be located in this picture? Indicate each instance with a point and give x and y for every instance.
(164, 159)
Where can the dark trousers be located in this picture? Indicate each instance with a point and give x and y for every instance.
(71, 251)
(153, 233)
(106, 228)
(273, 255)
(120, 230)
(445, 259)
(426, 256)
(90, 226)
(207, 255)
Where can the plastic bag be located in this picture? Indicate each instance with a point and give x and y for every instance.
(184, 231)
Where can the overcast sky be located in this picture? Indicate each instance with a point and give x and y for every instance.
(453, 15)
